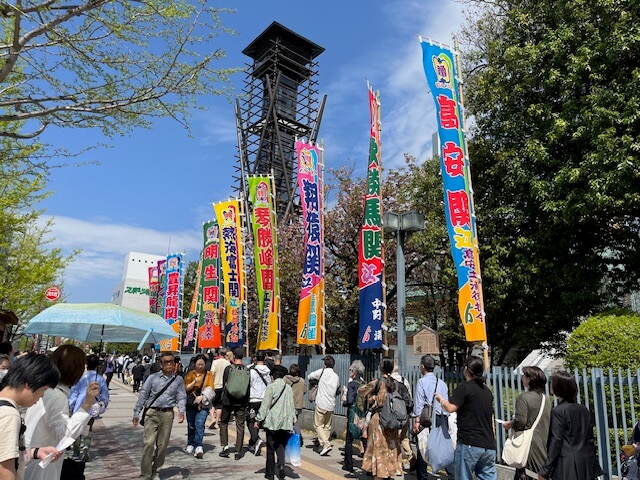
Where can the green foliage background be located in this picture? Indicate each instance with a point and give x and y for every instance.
(607, 340)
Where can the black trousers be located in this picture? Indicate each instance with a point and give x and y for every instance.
(348, 449)
(252, 411)
(276, 443)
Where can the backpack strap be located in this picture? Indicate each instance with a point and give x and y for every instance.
(23, 428)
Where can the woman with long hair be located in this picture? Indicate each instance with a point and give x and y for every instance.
(49, 420)
(528, 406)
(571, 451)
(381, 455)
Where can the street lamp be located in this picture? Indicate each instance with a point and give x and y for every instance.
(402, 224)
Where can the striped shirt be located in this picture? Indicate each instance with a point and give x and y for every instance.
(175, 394)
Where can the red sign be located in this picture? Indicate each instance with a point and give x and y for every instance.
(53, 293)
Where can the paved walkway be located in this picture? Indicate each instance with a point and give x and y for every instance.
(117, 448)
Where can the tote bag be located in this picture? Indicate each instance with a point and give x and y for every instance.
(516, 449)
(439, 446)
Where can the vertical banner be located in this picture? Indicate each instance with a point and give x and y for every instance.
(231, 259)
(153, 289)
(311, 306)
(440, 69)
(370, 253)
(162, 287)
(263, 224)
(173, 300)
(209, 326)
(190, 337)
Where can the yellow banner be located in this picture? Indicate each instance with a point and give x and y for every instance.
(231, 256)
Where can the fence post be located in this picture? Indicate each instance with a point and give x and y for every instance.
(602, 420)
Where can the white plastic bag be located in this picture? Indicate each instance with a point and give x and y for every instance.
(423, 436)
(292, 450)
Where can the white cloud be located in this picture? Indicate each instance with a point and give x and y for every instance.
(105, 244)
(218, 126)
(410, 122)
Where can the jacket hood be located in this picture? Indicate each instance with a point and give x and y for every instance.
(292, 379)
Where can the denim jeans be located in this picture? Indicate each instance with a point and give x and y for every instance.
(195, 426)
(469, 460)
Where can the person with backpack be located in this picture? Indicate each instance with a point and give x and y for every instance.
(235, 398)
(388, 414)
(260, 378)
(328, 388)
(25, 384)
(425, 395)
(404, 449)
(350, 401)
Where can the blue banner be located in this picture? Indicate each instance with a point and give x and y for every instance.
(440, 69)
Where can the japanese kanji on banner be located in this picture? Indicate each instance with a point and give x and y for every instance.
(231, 257)
(162, 287)
(440, 68)
(263, 223)
(370, 253)
(153, 289)
(173, 300)
(210, 325)
(311, 306)
(190, 337)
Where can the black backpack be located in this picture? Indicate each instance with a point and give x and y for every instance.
(406, 395)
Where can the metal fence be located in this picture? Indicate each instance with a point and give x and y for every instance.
(612, 397)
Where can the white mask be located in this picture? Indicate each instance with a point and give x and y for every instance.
(3, 373)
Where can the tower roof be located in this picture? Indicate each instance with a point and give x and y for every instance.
(277, 30)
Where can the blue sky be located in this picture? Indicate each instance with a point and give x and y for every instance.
(123, 205)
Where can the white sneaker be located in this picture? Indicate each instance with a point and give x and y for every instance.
(327, 448)
(188, 449)
(199, 452)
(256, 450)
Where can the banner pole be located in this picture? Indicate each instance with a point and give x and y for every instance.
(244, 310)
(276, 269)
(485, 344)
(322, 281)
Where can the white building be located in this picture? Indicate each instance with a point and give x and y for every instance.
(133, 290)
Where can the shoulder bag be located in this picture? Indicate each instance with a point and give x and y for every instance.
(191, 396)
(150, 404)
(425, 414)
(516, 449)
(313, 388)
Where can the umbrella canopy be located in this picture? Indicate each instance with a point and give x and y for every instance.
(95, 322)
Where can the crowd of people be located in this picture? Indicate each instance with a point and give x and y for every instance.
(46, 398)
